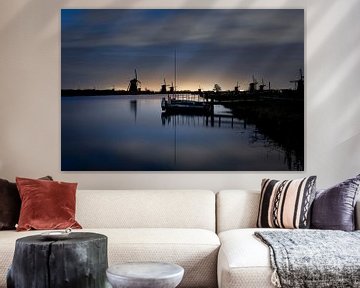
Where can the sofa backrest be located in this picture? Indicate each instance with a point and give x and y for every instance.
(239, 209)
(146, 209)
(236, 209)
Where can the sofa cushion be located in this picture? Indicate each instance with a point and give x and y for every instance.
(10, 204)
(194, 249)
(286, 204)
(153, 209)
(236, 209)
(244, 261)
(334, 208)
(46, 204)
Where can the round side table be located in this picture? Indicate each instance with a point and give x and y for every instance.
(145, 275)
(80, 261)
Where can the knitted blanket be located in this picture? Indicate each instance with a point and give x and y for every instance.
(313, 258)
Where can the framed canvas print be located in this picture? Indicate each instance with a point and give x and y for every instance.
(182, 90)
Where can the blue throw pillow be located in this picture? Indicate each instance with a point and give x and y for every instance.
(334, 208)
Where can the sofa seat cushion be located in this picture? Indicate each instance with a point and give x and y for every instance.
(194, 249)
(244, 261)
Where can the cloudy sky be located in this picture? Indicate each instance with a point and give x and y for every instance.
(101, 48)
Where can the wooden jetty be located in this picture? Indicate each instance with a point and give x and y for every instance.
(211, 120)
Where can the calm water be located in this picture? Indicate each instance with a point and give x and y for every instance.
(109, 133)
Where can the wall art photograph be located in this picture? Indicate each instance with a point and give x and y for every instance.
(182, 90)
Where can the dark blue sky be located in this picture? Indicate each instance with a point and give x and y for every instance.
(101, 48)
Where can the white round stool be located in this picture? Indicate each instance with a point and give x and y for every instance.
(145, 275)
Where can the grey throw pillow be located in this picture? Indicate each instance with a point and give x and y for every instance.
(334, 208)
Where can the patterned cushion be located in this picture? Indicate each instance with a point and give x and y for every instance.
(286, 204)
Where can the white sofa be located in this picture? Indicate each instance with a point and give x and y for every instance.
(243, 261)
(175, 226)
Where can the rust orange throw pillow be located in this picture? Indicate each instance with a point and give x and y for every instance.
(46, 204)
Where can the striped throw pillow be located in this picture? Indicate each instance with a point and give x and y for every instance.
(286, 204)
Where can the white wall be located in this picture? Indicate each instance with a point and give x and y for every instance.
(30, 94)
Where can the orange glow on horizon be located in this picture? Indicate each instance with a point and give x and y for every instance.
(186, 85)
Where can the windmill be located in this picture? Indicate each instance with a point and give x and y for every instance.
(262, 85)
(252, 85)
(236, 88)
(163, 87)
(172, 87)
(133, 85)
(299, 84)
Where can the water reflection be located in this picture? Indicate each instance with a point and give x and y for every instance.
(111, 133)
(281, 123)
(133, 108)
(223, 121)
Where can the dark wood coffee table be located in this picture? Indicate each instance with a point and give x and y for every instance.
(80, 261)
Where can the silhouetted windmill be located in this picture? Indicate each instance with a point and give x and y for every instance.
(299, 84)
(252, 85)
(262, 85)
(172, 87)
(163, 87)
(133, 85)
(236, 88)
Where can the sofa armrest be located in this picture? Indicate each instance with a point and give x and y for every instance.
(357, 215)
